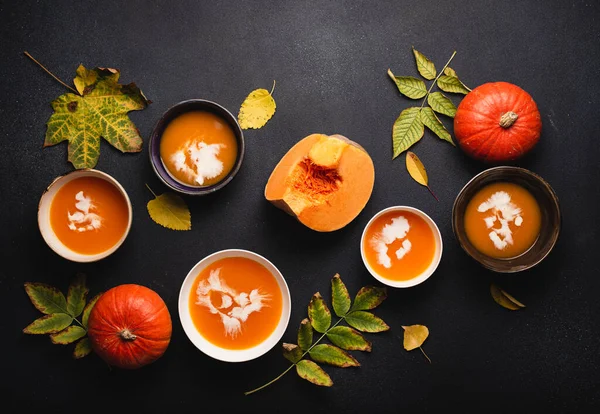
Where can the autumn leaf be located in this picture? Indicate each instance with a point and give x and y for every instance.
(68, 335)
(414, 336)
(83, 347)
(170, 211)
(409, 86)
(332, 355)
(47, 299)
(407, 130)
(369, 297)
(417, 171)
(48, 324)
(348, 339)
(310, 371)
(305, 335)
(433, 123)
(425, 66)
(258, 107)
(76, 295)
(88, 309)
(366, 322)
(340, 298)
(441, 104)
(292, 352)
(319, 314)
(504, 299)
(98, 110)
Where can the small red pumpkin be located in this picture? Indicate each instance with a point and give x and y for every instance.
(497, 122)
(130, 326)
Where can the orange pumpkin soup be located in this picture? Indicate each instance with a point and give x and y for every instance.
(399, 245)
(235, 303)
(198, 148)
(502, 220)
(89, 215)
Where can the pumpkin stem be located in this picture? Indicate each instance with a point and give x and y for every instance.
(126, 335)
(507, 119)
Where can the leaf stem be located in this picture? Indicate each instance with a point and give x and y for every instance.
(434, 196)
(50, 73)
(425, 355)
(436, 78)
(147, 186)
(273, 88)
(293, 365)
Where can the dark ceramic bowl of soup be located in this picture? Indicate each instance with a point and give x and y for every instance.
(196, 147)
(507, 218)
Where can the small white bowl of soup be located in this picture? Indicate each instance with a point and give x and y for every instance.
(84, 215)
(234, 305)
(401, 246)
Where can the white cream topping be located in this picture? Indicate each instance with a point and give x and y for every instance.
(396, 230)
(202, 157)
(82, 220)
(236, 307)
(503, 212)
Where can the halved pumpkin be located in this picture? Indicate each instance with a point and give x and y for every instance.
(324, 181)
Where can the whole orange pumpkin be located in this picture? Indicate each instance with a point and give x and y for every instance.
(129, 326)
(497, 122)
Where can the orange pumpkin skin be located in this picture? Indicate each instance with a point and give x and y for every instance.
(130, 326)
(497, 122)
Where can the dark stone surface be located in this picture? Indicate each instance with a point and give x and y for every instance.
(330, 61)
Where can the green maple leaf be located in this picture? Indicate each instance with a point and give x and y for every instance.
(99, 111)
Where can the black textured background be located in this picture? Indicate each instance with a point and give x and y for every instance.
(329, 60)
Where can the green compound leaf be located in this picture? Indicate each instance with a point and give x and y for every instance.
(348, 339)
(431, 121)
(366, 322)
(76, 295)
(305, 335)
(49, 324)
(319, 314)
(47, 299)
(425, 66)
(369, 297)
(409, 86)
(292, 352)
(332, 355)
(340, 298)
(82, 348)
(68, 335)
(407, 130)
(88, 309)
(441, 104)
(312, 372)
(99, 112)
(451, 84)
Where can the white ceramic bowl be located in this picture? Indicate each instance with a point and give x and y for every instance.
(223, 354)
(44, 215)
(436, 257)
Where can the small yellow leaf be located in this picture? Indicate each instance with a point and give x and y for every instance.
(170, 211)
(504, 299)
(414, 336)
(258, 107)
(417, 171)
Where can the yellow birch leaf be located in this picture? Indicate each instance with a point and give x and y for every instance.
(170, 211)
(417, 171)
(258, 107)
(414, 336)
(504, 299)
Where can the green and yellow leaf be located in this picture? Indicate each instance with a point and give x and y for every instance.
(366, 322)
(305, 335)
(431, 121)
(452, 84)
(340, 298)
(82, 348)
(348, 339)
(414, 336)
(409, 86)
(416, 169)
(319, 314)
(47, 299)
(88, 309)
(313, 373)
(450, 72)
(425, 66)
(369, 297)
(68, 335)
(170, 211)
(441, 104)
(48, 324)
(504, 299)
(407, 130)
(77, 295)
(292, 352)
(256, 110)
(332, 355)
(99, 112)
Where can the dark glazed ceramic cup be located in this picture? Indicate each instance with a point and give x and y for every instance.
(549, 208)
(172, 113)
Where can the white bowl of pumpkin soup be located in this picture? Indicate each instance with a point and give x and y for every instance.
(234, 305)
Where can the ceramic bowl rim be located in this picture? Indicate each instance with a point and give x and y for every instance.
(214, 351)
(434, 263)
(475, 181)
(45, 227)
(171, 113)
